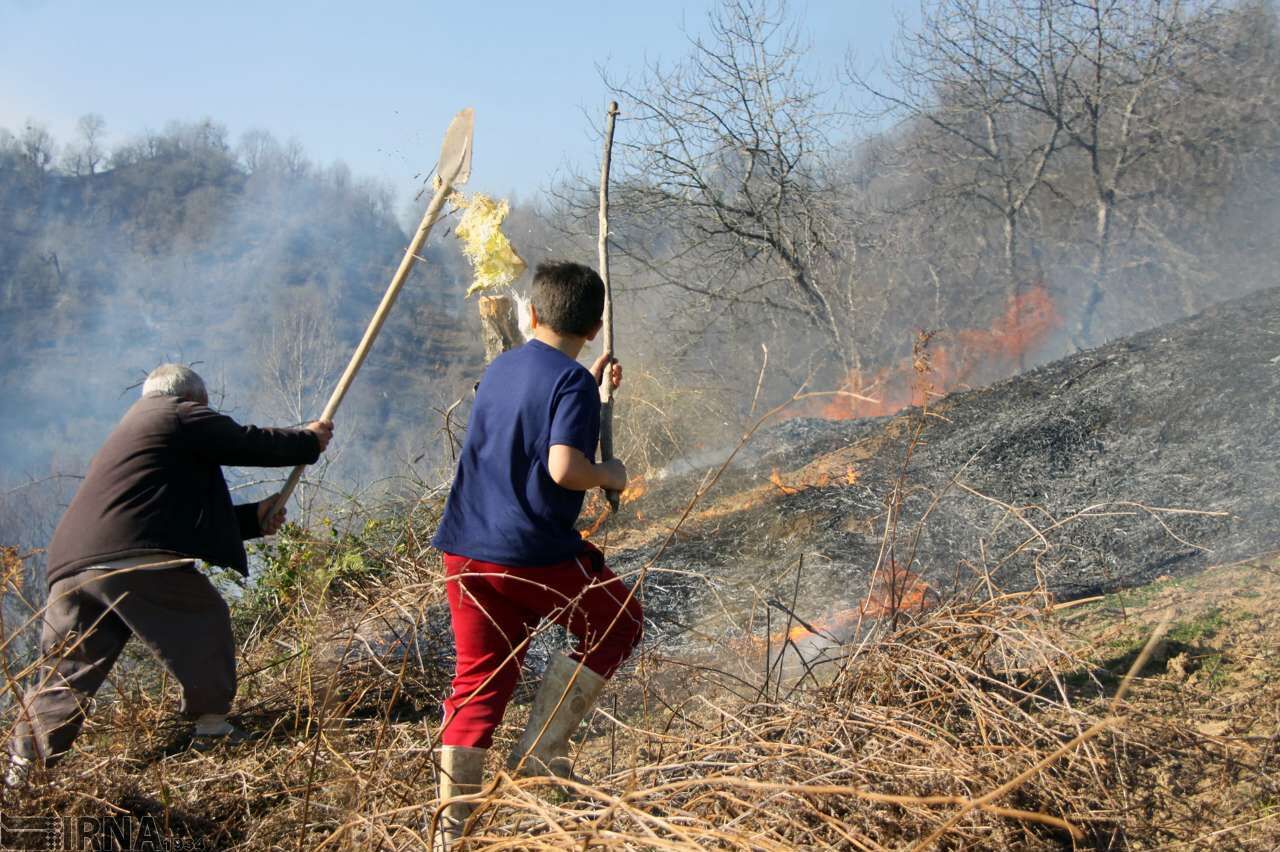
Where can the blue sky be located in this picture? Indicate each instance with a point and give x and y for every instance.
(373, 83)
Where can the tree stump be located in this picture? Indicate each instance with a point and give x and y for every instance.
(500, 325)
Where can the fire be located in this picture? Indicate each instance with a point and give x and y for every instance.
(832, 624)
(957, 359)
(901, 591)
(813, 476)
(776, 479)
(596, 523)
(635, 489)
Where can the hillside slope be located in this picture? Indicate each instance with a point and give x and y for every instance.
(1152, 455)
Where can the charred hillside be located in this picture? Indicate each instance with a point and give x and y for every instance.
(1151, 455)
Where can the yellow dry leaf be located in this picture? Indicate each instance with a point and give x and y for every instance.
(494, 261)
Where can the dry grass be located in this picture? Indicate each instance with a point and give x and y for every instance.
(990, 724)
(970, 727)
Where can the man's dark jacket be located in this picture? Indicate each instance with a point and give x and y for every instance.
(156, 486)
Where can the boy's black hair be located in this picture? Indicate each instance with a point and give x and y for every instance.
(569, 297)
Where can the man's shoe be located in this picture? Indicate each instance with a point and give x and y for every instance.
(568, 692)
(461, 771)
(16, 774)
(230, 739)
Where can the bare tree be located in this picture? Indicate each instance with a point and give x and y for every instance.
(1085, 122)
(299, 360)
(259, 151)
(294, 160)
(1216, 174)
(1130, 62)
(84, 157)
(720, 175)
(37, 147)
(957, 81)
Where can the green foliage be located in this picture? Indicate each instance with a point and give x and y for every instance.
(1200, 628)
(299, 564)
(1214, 671)
(1139, 596)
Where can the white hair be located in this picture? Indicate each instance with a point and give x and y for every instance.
(175, 380)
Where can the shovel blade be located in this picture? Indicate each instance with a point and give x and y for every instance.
(455, 154)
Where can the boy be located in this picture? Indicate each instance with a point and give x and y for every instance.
(511, 554)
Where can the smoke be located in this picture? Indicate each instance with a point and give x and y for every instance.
(262, 279)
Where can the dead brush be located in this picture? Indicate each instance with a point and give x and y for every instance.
(904, 732)
(976, 726)
(982, 723)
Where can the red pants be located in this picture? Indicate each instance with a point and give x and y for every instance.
(497, 608)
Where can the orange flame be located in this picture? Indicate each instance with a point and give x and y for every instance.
(635, 489)
(596, 523)
(901, 591)
(776, 479)
(957, 359)
(813, 476)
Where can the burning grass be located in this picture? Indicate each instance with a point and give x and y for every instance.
(908, 731)
(1000, 724)
(960, 358)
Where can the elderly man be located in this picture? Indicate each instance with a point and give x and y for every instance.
(122, 561)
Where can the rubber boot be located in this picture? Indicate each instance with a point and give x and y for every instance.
(567, 694)
(461, 771)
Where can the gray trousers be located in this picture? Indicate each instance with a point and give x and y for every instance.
(90, 616)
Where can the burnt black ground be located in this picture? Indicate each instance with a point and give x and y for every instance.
(1183, 417)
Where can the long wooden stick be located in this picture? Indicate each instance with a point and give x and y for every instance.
(606, 409)
(453, 169)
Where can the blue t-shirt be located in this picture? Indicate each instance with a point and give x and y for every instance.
(504, 506)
